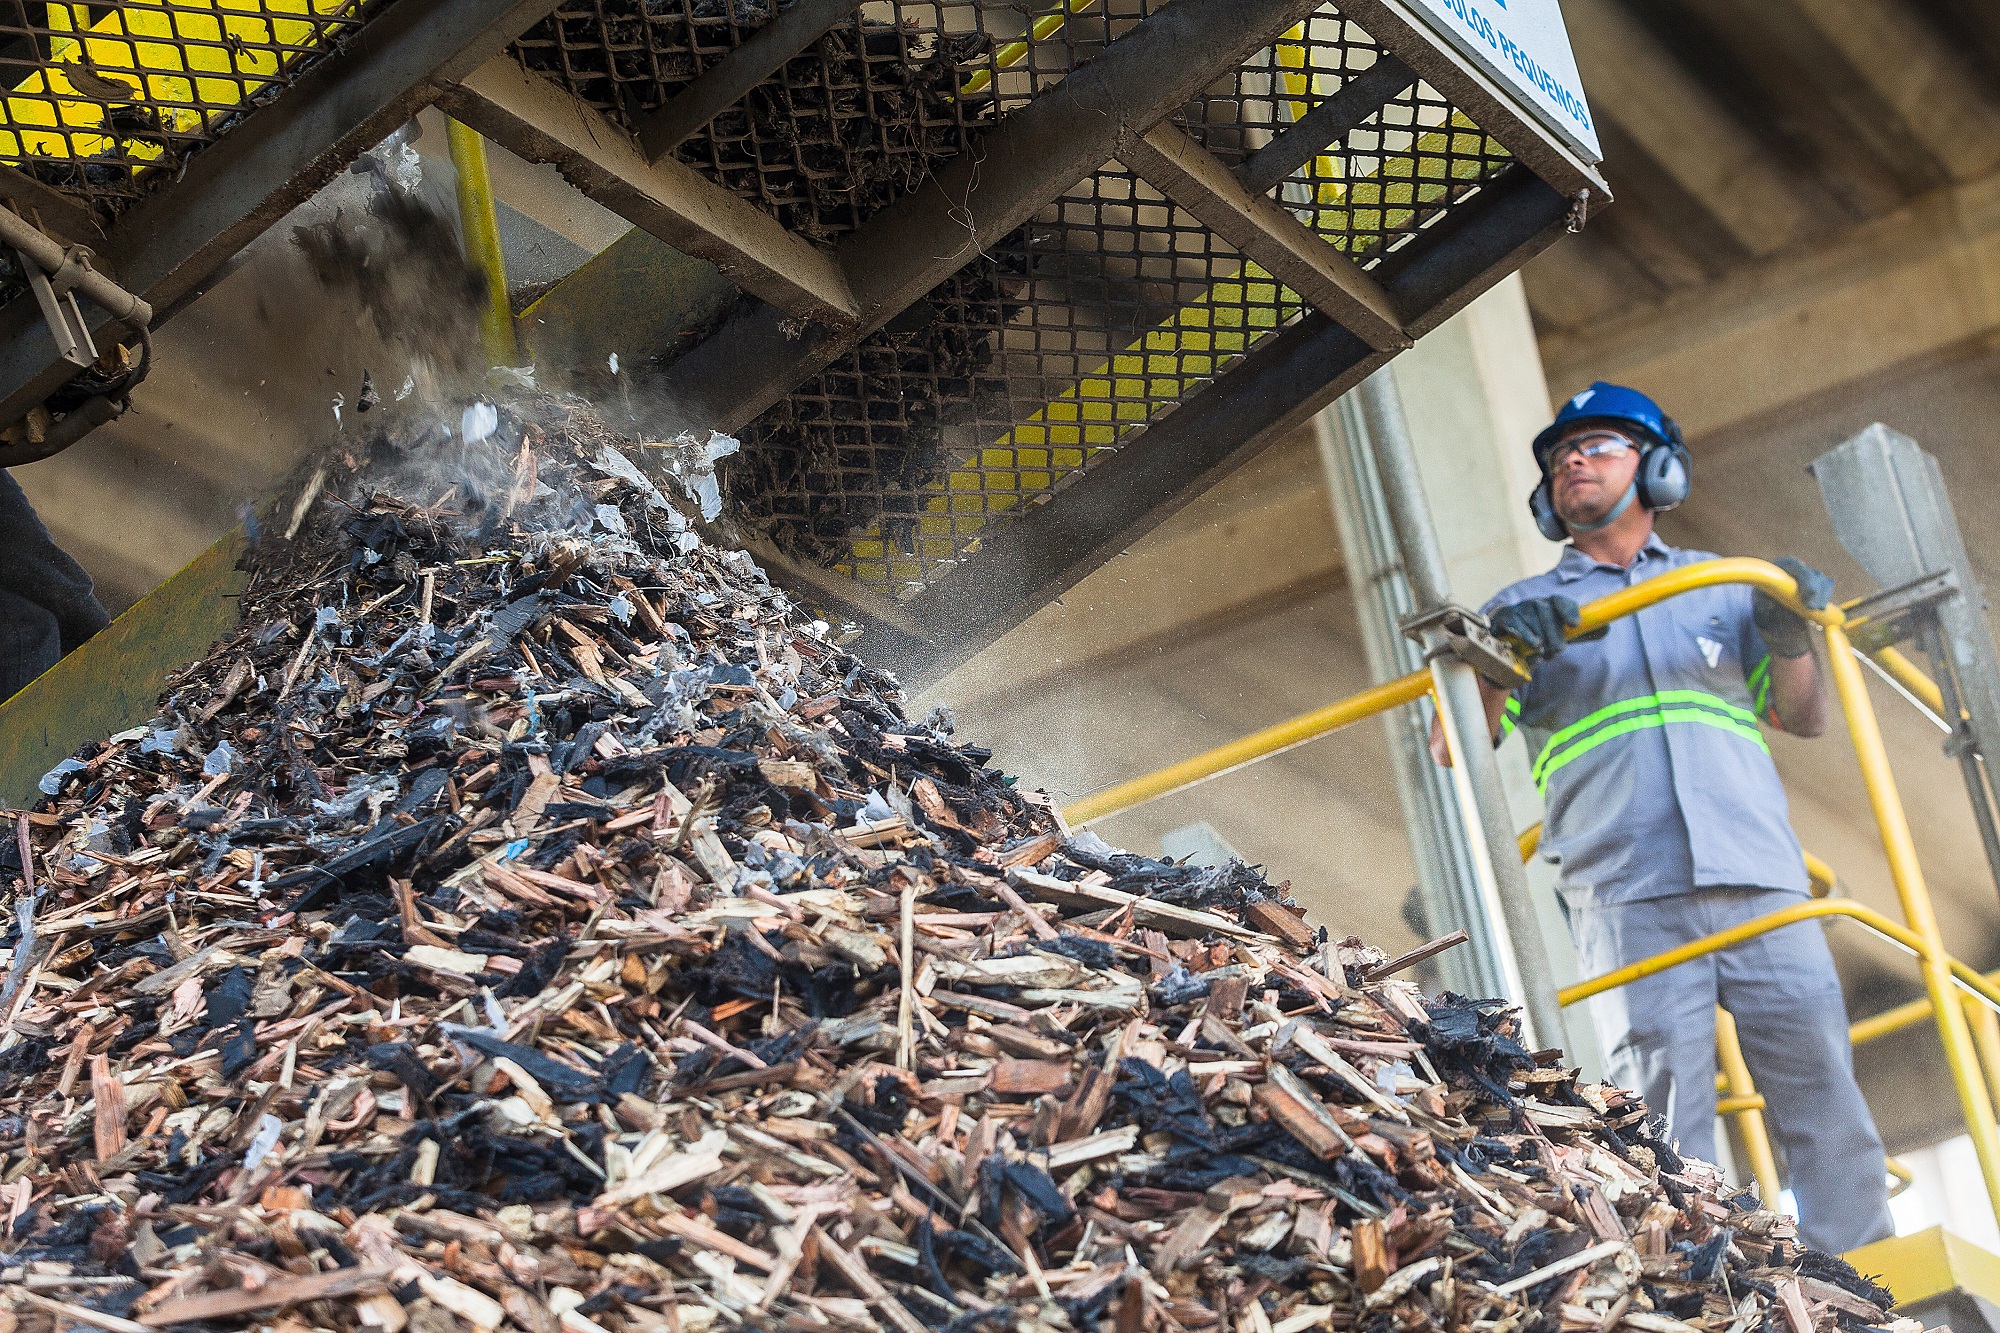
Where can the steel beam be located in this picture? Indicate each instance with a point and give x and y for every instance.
(49, 208)
(541, 121)
(1039, 555)
(282, 153)
(1514, 217)
(1330, 119)
(762, 54)
(1035, 558)
(1267, 234)
(1011, 173)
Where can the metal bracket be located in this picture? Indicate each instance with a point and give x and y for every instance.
(65, 317)
(1892, 615)
(1470, 639)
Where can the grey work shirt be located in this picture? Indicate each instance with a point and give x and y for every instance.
(1645, 742)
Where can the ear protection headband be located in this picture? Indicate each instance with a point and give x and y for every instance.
(1665, 476)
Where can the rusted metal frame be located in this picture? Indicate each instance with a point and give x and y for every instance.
(1472, 91)
(1035, 558)
(1276, 388)
(1515, 216)
(1266, 234)
(168, 245)
(1011, 173)
(727, 82)
(1329, 121)
(541, 121)
(50, 209)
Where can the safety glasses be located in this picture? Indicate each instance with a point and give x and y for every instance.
(1591, 444)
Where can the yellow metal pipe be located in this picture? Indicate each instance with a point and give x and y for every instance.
(480, 227)
(1285, 735)
(1249, 749)
(1759, 574)
(1900, 1174)
(1747, 1105)
(1960, 1054)
(1905, 1016)
(1985, 1025)
(1889, 1021)
(1013, 53)
(1894, 932)
(1822, 875)
(1911, 677)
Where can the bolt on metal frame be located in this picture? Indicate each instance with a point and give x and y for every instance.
(1971, 1048)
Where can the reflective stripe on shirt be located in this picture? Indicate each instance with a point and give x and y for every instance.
(1628, 715)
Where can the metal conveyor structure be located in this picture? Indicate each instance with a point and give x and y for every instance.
(986, 293)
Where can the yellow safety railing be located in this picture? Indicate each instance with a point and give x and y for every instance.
(1258, 745)
(1971, 1047)
(479, 230)
(1979, 994)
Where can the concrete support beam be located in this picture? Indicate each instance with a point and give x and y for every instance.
(762, 54)
(1916, 283)
(540, 121)
(1581, 281)
(1191, 176)
(1932, 94)
(1815, 105)
(1474, 395)
(1713, 159)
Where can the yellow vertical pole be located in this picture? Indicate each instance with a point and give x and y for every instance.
(1959, 1052)
(1750, 1125)
(480, 228)
(1985, 1025)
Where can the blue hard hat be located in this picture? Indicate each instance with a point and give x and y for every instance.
(1611, 405)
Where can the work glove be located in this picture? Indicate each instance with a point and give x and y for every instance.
(1537, 624)
(1786, 633)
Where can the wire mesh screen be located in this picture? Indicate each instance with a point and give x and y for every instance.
(106, 102)
(854, 121)
(1101, 316)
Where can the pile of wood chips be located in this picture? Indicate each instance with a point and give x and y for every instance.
(527, 921)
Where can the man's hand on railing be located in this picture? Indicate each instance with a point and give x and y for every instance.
(1785, 631)
(1537, 624)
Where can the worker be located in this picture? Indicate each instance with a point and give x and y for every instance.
(1665, 815)
(47, 606)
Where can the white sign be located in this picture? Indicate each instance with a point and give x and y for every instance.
(1523, 44)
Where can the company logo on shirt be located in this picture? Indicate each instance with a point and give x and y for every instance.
(1711, 651)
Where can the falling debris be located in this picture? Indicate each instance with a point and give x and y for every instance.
(526, 920)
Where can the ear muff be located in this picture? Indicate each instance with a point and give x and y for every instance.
(1543, 507)
(1666, 473)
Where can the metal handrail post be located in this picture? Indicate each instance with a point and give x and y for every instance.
(1959, 1051)
(479, 226)
(1475, 773)
(1985, 1025)
(1750, 1125)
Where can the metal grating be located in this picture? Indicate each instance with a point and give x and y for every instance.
(1098, 318)
(856, 120)
(106, 102)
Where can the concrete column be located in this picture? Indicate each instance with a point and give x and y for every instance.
(1474, 395)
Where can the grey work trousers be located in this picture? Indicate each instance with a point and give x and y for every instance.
(1658, 1035)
